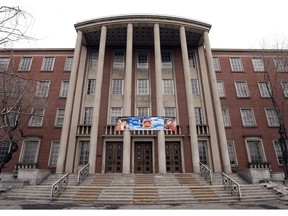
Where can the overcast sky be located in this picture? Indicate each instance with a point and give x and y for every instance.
(235, 24)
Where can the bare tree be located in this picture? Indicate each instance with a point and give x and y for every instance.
(275, 65)
(16, 92)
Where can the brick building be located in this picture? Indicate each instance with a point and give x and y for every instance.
(141, 67)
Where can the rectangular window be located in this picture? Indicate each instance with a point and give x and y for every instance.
(242, 89)
(231, 152)
(278, 152)
(191, 58)
(59, 117)
(37, 116)
(216, 64)
(168, 87)
(203, 151)
(272, 117)
(55, 145)
(93, 59)
(258, 64)
(166, 59)
(25, 64)
(221, 89)
(255, 151)
(42, 88)
(48, 64)
(170, 111)
(64, 88)
(68, 63)
(264, 89)
(117, 87)
(198, 115)
(195, 87)
(118, 59)
(115, 113)
(285, 88)
(142, 60)
(236, 64)
(4, 63)
(91, 86)
(226, 117)
(142, 87)
(88, 114)
(4, 148)
(248, 118)
(280, 65)
(143, 111)
(84, 152)
(30, 150)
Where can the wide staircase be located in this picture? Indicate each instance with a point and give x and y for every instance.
(141, 189)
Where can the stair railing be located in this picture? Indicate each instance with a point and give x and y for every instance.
(206, 172)
(83, 173)
(231, 185)
(59, 186)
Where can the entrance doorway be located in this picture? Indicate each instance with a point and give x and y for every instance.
(114, 157)
(143, 162)
(173, 157)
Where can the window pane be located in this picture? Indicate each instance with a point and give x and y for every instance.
(115, 113)
(168, 87)
(60, 118)
(142, 60)
(241, 89)
(64, 89)
(202, 145)
(48, 63)
(198, 115)
(278, 152)
(191, 58)
(264, 89)
(117, 87)
(226, 117)
(30, 151)
(54, 153)
(91, 86)
(255, 151)
(195, 87)
(68, 64)
(36, 119)
(258, 64)
(84, 152)
(118, 60)
(231, 152)
(4, 63)
(25, 64)
(143, 87)
(88, 114)
(216, 64)
(143, 111)
(272, 118)
(170, 111)
(220, 86)
(42, 89)
(166, 59)
(93, 59)
(248, 119)
(236, 64)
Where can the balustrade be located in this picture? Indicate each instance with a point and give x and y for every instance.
(83, 173)
(231, 185)
(59, 186)
(206, 172)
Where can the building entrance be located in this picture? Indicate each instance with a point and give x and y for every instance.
(114, 157)
(173, 157)
(143, 162)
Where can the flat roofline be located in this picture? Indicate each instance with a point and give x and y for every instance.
(37, 49)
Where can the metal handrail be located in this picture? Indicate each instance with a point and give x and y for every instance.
(206, 172)
(59, 186)
(83, 173)
(231, 185)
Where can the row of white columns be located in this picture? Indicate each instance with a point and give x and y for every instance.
(67, 129)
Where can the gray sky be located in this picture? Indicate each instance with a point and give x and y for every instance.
(235, 24)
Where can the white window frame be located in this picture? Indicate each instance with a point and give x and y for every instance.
(42, 88)
(191, 59)
(142, 60)
(281, 65)
(143, 87)
(199, 116)
(48, 63)
(284, 85)
(232, 152)
(30, 157)
(143, 111)
(236, 64)
(226, 117)
(37, 117)
(54, 153)
(262, 155)
(119, 59)
(271, 117)
(166, 59)
(4, 63)
(278, 152)
(91, 86)
(195, 86)
(221, 89)
(203, 149)
(258, 64)
(248, 118)
(216, 64)
(88, 116)
(263, 88)
(93, 60)
(115, 112)
(59, 120)
(242, 90)
(68, 63)
(84, 152)
(168, 86)
(25, 63)
(64, 88)
(170, 111)
(117, 86)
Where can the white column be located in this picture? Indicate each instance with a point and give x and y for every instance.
(190, 103)
(159, 99)
(69, 105)
(97, 101)
(217, 106)
(127, 99)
